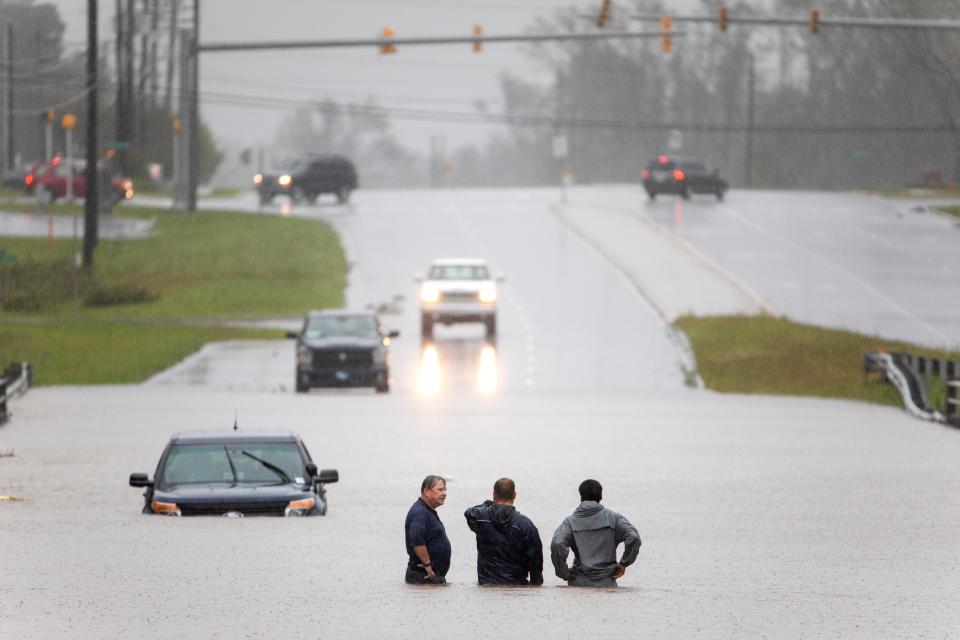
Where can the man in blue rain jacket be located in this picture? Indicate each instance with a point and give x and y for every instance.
(509, 550)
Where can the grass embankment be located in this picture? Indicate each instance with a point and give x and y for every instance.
(196, 272)
(763, 355)
(953, 211)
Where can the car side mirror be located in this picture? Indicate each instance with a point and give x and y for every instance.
(327, 475)
(140, 480)
(394, 334)
(311, 469)
(293, 335)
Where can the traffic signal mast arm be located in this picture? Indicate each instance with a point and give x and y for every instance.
(398, 42)
(861, 23)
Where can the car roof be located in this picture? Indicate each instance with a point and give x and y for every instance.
(339, 312)
(459, 261)
(678, 159)
(227, 436)
(326, 157)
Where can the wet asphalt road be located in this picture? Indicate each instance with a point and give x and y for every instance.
(878, 266)
(760, 516)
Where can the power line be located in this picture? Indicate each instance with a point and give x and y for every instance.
(541, 120)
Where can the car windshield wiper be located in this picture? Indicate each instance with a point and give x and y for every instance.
(233, 469)
(269, 465)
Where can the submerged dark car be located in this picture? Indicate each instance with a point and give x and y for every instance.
(308, 177)
(234, 473)
(682, 177)
(343, 349)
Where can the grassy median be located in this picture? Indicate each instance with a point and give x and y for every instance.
(764, 355)
(953, 211)
(150, 302)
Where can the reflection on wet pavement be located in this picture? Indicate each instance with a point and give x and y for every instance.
(461, 364)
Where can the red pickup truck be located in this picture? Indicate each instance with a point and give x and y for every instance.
(49, 181)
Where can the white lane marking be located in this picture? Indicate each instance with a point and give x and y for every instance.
(816, 257)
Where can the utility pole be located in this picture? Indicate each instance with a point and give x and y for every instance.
(171, 54)
(751, 90)
(154, 37)
(121, 92)
(91, 207)
(9, 158)
(194, 111)
(128, 102)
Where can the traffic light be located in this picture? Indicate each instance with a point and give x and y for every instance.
(477, 33)
(666, 25)
(814, 20)
(604, 14)
(388, 47)
(722, 17)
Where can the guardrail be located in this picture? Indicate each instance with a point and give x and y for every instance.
(909, 373)
(953, 403)
(16, 379)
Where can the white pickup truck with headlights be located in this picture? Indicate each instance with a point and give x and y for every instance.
(458, 290)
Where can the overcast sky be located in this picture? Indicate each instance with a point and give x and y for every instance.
(435, 78)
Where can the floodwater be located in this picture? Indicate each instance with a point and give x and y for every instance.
(759, 517)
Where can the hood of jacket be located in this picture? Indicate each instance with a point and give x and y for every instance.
(589, 515)
(501, 513)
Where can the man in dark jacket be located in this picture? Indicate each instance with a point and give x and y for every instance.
(593, 532)
(427, 544)
(508, 545)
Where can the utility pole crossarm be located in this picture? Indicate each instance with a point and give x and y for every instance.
(470, 39)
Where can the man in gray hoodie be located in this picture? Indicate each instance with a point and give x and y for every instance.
(593, 532)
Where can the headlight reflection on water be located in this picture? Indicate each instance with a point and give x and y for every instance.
(428, 376)
(457, 366)
(487, 371)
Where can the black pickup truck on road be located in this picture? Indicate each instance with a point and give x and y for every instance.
(307, 177)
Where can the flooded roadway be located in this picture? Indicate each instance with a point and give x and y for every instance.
(759, 517)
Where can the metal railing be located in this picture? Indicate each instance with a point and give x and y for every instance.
(953, 403)
(910, 373)
(16, 379)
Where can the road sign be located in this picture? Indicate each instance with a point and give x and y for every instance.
(560, 146)
(119, 145)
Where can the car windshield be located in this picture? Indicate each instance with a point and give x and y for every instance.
(359, 326)
(697, 167)
(458, 272)
(291, 164)
(208, 463)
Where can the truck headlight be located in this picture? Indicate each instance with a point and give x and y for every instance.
(488, 294)
(284, 180)
(429, 293)
(258, 179)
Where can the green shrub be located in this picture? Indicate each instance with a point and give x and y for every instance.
(125, 293)
(35, 285)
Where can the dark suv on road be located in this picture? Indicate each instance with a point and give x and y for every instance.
(306, 178)
(682, 177)
(343, 349)
(236, 472)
